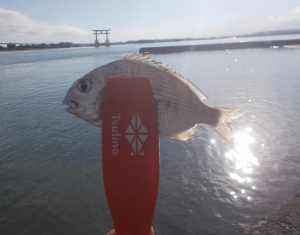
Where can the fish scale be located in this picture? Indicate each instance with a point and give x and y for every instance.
(178, 101)
(172, 111)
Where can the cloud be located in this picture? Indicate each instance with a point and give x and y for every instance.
(216, 27)
(16, 27)
(292, 20)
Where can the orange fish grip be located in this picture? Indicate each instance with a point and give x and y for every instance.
(130, 154)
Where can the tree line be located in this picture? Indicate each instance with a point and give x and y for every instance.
(14, 46)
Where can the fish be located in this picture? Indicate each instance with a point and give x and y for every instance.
(178, 101)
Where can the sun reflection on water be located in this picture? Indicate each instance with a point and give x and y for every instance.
(244, 162)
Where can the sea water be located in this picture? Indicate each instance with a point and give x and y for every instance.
(50, 161)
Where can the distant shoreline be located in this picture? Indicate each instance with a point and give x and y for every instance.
(221, 46)
(63, 45)
(11, 47)
(37, 49)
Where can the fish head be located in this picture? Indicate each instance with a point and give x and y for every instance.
(85, 98)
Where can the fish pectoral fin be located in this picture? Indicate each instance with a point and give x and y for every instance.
(185, 135)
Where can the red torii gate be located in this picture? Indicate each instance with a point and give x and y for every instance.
(102, 31)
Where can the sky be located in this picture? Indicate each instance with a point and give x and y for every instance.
(53, 21)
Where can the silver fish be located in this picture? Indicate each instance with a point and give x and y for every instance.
(178, 101)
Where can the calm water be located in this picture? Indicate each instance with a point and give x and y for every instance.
(50, 161)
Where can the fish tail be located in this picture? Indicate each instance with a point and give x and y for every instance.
(226, 116)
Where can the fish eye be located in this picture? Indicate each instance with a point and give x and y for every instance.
(84, 86)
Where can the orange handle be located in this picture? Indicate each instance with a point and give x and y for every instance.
(130, 154)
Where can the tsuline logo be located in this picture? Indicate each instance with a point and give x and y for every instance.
(136, 134)
(115, 135)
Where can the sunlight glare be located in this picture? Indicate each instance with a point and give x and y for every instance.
(243, 159)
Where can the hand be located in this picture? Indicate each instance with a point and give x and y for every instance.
(113, 232)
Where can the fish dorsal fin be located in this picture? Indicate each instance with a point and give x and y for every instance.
(185, 135)
(145, 58)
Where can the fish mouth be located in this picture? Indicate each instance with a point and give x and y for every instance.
(72, 105)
